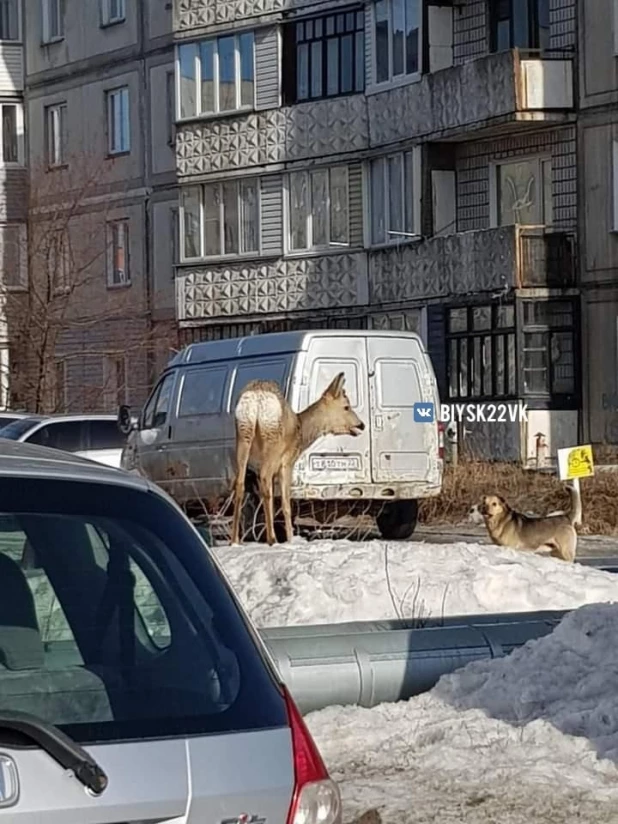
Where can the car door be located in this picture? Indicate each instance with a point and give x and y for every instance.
(154, 434)
(401, 450)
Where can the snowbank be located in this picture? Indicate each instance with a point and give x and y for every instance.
(333, 581)
(527, 738)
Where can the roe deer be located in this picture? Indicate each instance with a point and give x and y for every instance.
(270, 438)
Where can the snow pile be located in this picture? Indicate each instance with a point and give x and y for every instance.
(527, 738)
(336, 581)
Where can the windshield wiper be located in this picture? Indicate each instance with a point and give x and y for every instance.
(58, 746)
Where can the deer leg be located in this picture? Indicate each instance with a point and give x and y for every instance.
(285, 483)
(266, 494)
(243, 451)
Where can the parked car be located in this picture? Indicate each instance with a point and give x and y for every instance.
(185, 436)
(91, 436)
(133, 686)
(8, 417)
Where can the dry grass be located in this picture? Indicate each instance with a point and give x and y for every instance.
(465, 484)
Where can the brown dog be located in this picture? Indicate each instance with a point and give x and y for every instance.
(553, 533)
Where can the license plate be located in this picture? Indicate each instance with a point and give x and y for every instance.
(349, 463)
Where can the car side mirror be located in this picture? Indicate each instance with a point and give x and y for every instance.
(125, 422)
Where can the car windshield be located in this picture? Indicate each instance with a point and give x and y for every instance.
(13, 431)
(115, 623)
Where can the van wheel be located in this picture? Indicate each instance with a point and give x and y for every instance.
(397, 520)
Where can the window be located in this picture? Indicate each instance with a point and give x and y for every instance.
(90, 600)
(549, 347)
(118, 121)
(216, 75)
(615, 185)
(102, 434)
(174, 231)
(65, 435)
(60, 386)
(170, 107)
(519, 24)
(9, 20)
(202, 392)
(318, 209)
(266, 370)
(524, 193)
(219, 219)
(396, 39)
(115, 381)
(395, 205)
(119, 273)
(112, 11)
(324, 57)
(481, 356)
(10, 141)
(53, 20)
(58, 262)
(56, 125)
(157, 407)
(13, 257)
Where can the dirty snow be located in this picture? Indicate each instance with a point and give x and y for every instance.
(336, 581)
(527, 739)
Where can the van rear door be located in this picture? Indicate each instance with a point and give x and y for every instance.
(401, 450)
(336, 459)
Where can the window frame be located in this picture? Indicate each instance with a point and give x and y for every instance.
(550, 398)
(22, 285)
(14, 8)
(47, 37)
(290, 54)
(534, 28)
(122, 93)
(389, 238)
(202, 226)
(200, 112)
(170, 107)
(392, 81)
(18, 137)
(58, 262)
(105, 13)
(288, 210)
(119, 394)
(494, 332)
(59, 111)
(112, 227)
(494, 187)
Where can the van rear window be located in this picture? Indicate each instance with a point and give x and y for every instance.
(115, 624)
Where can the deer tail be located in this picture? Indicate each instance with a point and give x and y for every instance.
(575, 515)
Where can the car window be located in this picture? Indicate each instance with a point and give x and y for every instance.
(115, 624)
(270, 370)
(103, 435)
(157, 408)
(15, 430)
(202, 391)
(65, 435)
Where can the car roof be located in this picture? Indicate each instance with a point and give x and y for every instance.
(24, 460)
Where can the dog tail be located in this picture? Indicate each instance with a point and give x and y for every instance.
(575, 515)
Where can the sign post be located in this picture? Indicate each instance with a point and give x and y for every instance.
(575, 462)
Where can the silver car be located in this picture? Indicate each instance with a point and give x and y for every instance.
(133, 687)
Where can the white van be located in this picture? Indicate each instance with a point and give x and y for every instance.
(185, 437)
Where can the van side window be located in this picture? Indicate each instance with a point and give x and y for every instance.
(269, 370)
(155, 413)
(398, 383)
(202, 391)
(323, 371)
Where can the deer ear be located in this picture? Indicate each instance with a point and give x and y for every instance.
(335, 387)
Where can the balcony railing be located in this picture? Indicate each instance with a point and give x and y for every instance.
(546, 258)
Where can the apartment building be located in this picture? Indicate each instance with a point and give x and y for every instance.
(99, 90)
(398, 164)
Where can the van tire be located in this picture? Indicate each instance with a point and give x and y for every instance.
(397, 520)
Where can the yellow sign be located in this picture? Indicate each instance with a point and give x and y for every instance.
(575, 462)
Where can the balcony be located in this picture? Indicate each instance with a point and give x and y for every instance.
(488, 260)
(11, 68)
(503, 92)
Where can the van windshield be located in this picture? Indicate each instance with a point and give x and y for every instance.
(115, 623)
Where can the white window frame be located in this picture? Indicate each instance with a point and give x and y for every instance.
(394, 239)
(112, 227)
(311, 247)
(393, 80)
(59, 262)
(110, 96)
(494, 171)
(19, 126)
(46, 19)
(56, 142)
(108, 18)
(239, 106)
(170, 106)
(22, 284)
(14, 8)
(222, 256)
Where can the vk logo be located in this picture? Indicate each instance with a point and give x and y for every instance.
(423, 413)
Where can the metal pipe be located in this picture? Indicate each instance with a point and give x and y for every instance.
(369, 663)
